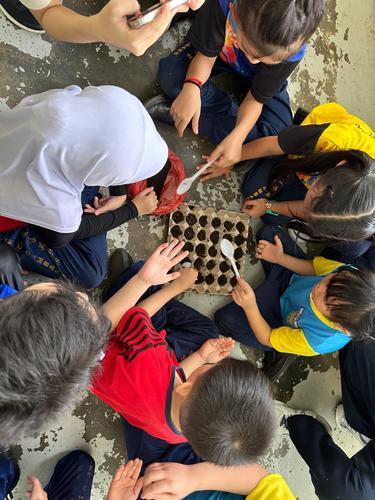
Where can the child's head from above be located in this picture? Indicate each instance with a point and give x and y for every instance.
(347, 298)
(271, 31)
(340, 204)
(51, 338)
(227, 412)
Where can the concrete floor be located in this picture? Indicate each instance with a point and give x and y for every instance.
(339, 66)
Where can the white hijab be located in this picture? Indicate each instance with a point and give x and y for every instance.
(54, 143)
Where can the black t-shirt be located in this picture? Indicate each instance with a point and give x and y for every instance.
(301, 139)
(207, 36)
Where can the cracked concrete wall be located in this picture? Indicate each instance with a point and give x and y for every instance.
(339, 66)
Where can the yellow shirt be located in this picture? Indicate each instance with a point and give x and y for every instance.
(271, 487)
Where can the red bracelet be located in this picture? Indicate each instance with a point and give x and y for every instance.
(194, 81)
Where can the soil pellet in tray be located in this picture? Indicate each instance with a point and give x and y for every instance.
(216, 222)
(203, 221)
(210, 279)
(200, 279)
(201, 250)
(201, 235)
(238, 253)
(233, 281)
(238, 265)
(240, 226)
(212, 252)
(189, 246)
(198, 263)
(228, 237)
(176, 231)
(191, 219)
(189, 233)
(210, 265)
(222, 280)
(224, 267)
(239, 240)
(228, 225)
(215, 237)
(178, 217)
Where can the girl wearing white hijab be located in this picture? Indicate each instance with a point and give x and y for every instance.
(56, 149)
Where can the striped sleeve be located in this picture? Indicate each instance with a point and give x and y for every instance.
(137, 333)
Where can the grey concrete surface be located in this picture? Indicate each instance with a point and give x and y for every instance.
(339, 66)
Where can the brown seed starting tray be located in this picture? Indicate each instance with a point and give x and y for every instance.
(202, 230)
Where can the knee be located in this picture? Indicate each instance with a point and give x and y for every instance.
(93, 278)
(267, 233)
(8, 257)
(224, 323)
(169, 75)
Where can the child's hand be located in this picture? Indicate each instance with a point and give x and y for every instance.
(126, 484)
(188, 276)
(243, 295)
(37, 492)
(228, 151)
(214, 171)
(155, 269)
(270, 252)
(168, 480)
(214, 350)
(146, 201)
(187, 107)
(105, 204)
(254, 208)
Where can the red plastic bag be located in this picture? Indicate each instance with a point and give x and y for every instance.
(169, 200)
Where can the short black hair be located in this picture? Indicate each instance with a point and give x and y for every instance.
(50, 343)
(229, 416)
(350, 297)
(271, 25)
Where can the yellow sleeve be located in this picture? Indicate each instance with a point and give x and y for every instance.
(324, 266)
(271, 487)
(291, 341)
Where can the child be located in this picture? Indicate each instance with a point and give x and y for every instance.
(42, 372)
(303, 307)
(48, 182)
(219, 410)
(261, 42)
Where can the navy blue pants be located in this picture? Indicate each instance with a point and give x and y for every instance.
(219, 110)
(71, 479)
(255, 186)
(334, 474)
(231, 319)
(360, 254)
(187, 330)
(81, 261)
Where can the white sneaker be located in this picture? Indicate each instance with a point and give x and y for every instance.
(341, 422)
(283, 412)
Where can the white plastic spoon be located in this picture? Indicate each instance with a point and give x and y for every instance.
(227, 249)
(185, 185)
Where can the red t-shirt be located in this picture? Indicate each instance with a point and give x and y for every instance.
(137, 376)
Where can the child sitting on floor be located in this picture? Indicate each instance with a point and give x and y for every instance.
(219, 410)
(304, 306)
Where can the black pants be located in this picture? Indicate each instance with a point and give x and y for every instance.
(333, 473)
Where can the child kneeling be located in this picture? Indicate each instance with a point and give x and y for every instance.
(205, 406)
(305, 307)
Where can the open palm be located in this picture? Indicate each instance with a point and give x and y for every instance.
(126, 484)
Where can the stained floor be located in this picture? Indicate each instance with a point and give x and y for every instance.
(339, 66)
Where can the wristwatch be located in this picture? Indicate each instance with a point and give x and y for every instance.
(269, 208)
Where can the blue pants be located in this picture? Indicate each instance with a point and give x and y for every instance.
(255, 186)
(231, 319)
(81, 261)
(360, 254)
(219, 111)
(71, 479)
(333, 473)
(187, 330)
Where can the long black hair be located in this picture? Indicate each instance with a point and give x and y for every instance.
(344, 208)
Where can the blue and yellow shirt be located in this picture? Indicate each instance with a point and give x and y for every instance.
(307, 332)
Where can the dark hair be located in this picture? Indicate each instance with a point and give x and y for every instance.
(229, 416)
(350, 297)
(271, 25)
(344, 209)
(50, 343)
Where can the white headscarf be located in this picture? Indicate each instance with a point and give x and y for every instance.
(54, 143)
